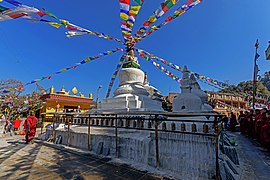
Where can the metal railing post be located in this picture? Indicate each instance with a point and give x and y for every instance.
(53, 132)
(217, 165)
(156, 140)
(116, 136)
(41, 128)
(68, 143)
(89, 134)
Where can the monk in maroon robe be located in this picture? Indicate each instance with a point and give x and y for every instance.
(256, 124)
(241, 119)
(265, 132)
(245, 122)
(30, 128)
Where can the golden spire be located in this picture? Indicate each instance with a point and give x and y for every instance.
(63, 89)
(74, 91)
(90, 96)
(81, 95)
(52, 90)
(131, 53)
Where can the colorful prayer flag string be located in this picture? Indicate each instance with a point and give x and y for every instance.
(225, 90)
(77, 31)
(128, 14)
(27, 12)
(167, 72)
(164, 7)
(184, 8)
(86, 60)
(145, 54)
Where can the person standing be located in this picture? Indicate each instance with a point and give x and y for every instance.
(233, 122)
(225, 120)
(30, 127)
(256, 124)
(250, 123)
(241, 119)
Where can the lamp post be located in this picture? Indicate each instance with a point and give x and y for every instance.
(99, 87)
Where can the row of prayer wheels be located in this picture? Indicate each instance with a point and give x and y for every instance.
(140, 124)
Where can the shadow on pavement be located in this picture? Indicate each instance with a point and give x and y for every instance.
(14, 165)
(72, 166)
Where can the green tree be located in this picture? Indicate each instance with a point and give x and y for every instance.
(265, 79)
(246, 87)
(13, 103)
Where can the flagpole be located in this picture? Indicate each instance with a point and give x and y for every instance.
(255, 74)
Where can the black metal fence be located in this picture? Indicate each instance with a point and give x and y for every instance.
(205, 124)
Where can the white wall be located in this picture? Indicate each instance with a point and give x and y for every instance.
(185, 156)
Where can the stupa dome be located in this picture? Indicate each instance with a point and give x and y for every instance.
(187, 102)
(131, 75)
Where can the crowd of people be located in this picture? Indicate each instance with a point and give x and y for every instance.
(254, 124)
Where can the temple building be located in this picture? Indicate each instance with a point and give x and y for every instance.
(62, 101)
(225, 103)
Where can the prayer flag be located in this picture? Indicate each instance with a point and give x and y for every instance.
(15, 3)
(152, 19)
(140, 2)
(41, 13)
(125, 1)
(2, 8)
(124, 6)
(256, 71)
(71, 28)
(158, 13)
(124, 16)
(87, 59)
(54, 24)
(14, 14)
(50, 14)
(135, 9)
(65, 22)
(256, 56)
(257, 44)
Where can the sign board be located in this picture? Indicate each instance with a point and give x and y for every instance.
(267, 52)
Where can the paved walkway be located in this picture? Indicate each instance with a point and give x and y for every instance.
(40, 161)
(254, 160)
(37, 161)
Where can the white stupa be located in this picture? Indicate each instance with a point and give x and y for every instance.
(134, 92)
(192, 98)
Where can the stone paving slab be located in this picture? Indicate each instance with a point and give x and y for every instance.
(254, 160)
(39, 161)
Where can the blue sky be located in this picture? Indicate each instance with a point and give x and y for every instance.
(215, 38)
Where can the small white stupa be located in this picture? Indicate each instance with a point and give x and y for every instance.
(134, 92)
(192, 98)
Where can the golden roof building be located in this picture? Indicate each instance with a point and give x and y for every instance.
(62, 101)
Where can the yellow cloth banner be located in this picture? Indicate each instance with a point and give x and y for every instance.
(135, 9)
(54, 24)
(152, 19)
(124, 16)
(87, 59)
(65, 22)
